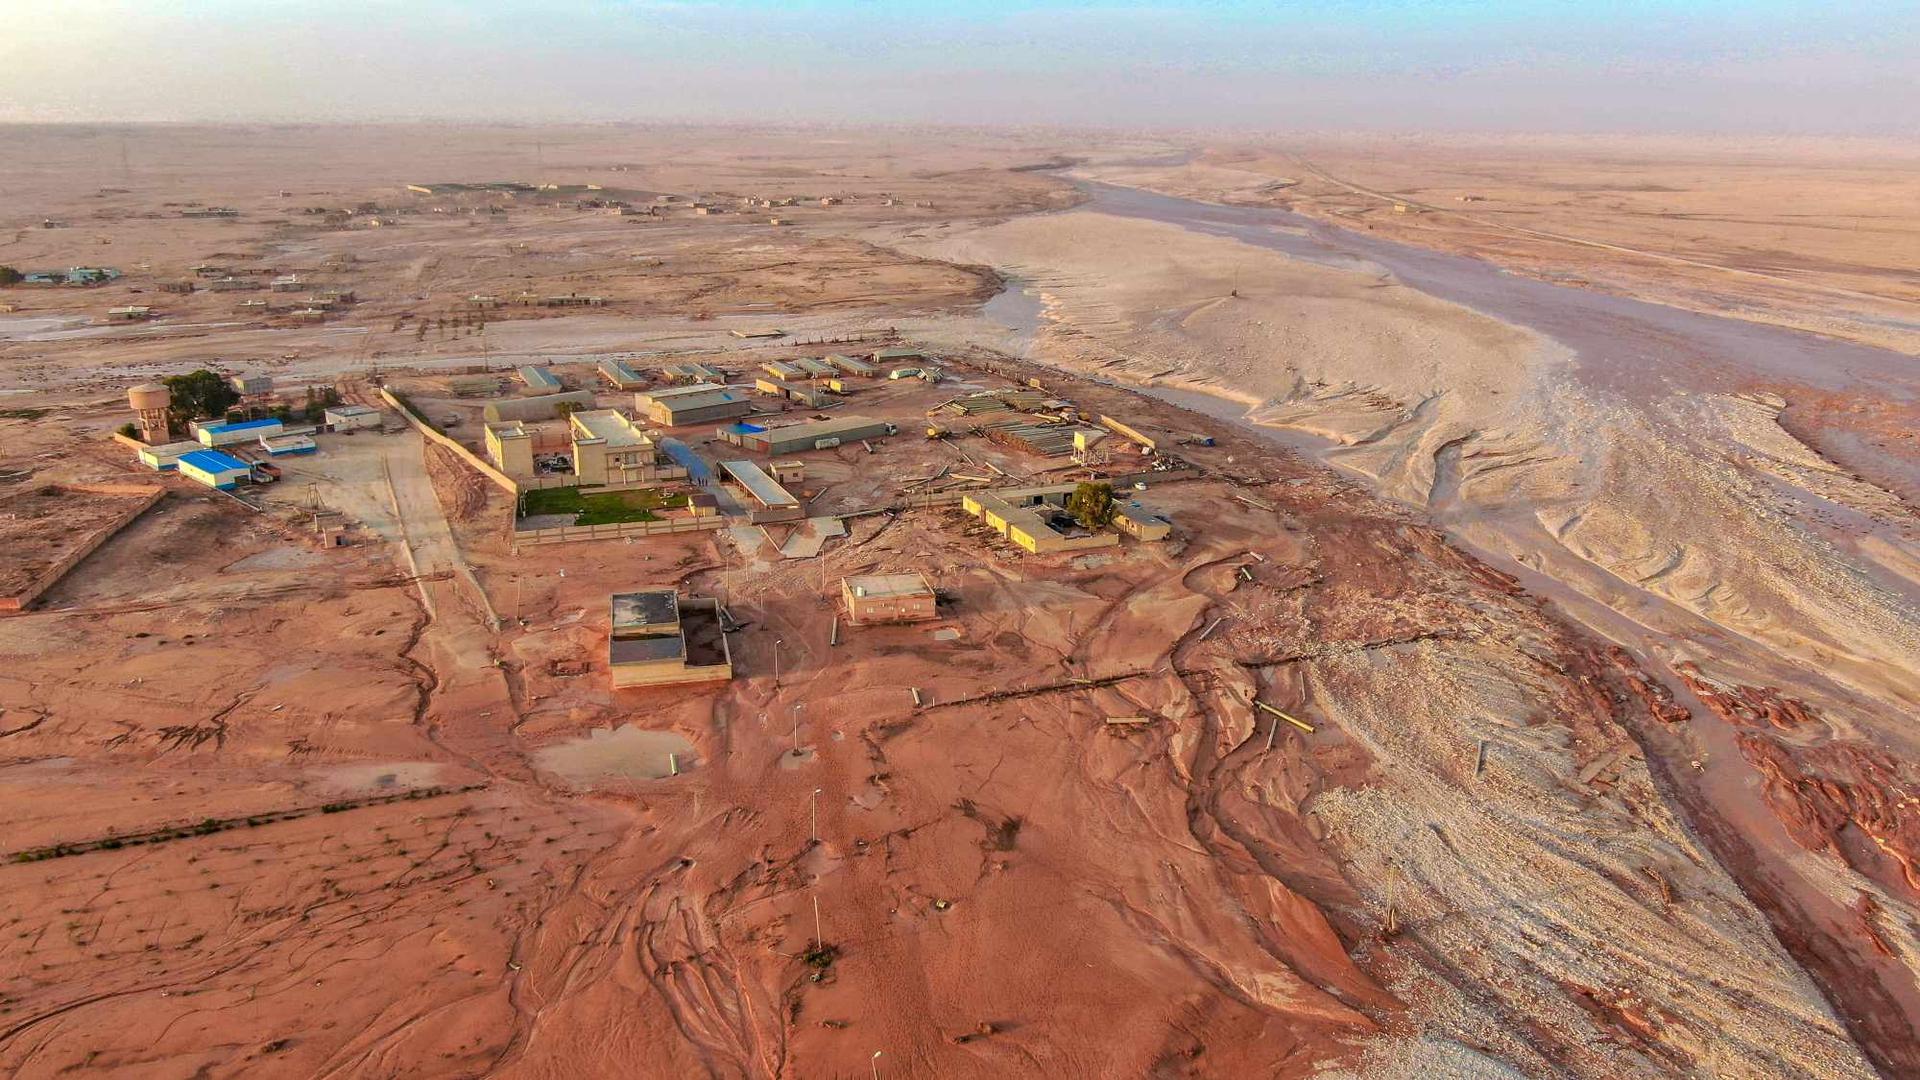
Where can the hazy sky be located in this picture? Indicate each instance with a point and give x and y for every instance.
(1757, 66)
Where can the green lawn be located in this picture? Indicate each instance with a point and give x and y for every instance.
(603, 508)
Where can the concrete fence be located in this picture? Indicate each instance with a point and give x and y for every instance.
(506, 483)
(47, 578)
(567, 534)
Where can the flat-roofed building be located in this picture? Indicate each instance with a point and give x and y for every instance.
(1035, 518)
(609, 449)
(288, 445)
(696, 404)
(816, 368)
(783, 371)
(352, 417)
(811, 435)
(510, 446)
(1140, 521)
(251, 385)
(772, 502)
(659, 638)
(900, 355)
(621, 376)
(888, 598)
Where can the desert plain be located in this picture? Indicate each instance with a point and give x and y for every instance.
(1525, 688)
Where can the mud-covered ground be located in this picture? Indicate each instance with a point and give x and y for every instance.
(374, 811)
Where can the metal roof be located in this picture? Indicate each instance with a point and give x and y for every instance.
(821, 429)
(213, 461)
(244, 425)
(762, 487)
(539, 378)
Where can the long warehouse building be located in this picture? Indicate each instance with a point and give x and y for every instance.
(697, 404)
(813, 435)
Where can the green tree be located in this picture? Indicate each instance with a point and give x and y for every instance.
(1091, 504)
(10, 276)
(199, 394)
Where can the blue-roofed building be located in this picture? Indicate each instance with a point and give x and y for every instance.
(214, 434)
(214, 469)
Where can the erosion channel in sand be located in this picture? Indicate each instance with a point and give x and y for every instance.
(1698, 490)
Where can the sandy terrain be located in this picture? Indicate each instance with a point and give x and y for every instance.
(1605, 674)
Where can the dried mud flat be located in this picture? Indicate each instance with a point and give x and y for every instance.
(340, 813)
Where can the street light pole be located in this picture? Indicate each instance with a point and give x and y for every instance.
(776, 661)
(796, 727)
(875, 1062)
(816, 815)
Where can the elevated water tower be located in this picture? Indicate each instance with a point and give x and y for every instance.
(150, 401)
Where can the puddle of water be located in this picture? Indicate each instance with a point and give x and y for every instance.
(614, 755)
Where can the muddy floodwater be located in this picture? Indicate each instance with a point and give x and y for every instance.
(607, 756)
(1622, 343)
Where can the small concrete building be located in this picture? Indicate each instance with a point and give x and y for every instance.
(133, 313)
(888, 598)
(659, 638)
(885, 357)
(812, 435)
(352, 417)
(1140, 521)
(815, 368)
(696, 404)
(783, 371)
(166, 456)
(223, 434)
(510, 446)
(609, 449)
(251, 385)
(214, 469)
